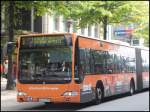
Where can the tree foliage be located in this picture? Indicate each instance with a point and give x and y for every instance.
(95, 12)
(110, 12)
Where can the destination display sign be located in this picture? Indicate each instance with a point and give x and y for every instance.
(43, 41)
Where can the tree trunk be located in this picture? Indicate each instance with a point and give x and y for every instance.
(105, 27)
(10, 83)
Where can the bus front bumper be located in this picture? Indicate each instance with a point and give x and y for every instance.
(60, 99)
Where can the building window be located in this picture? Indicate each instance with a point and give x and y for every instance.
(96, 31)
(89, 31)
(82, 31)
(74, 28)
(65, 26)
(57, 23)
(23, 19)
(38, 24)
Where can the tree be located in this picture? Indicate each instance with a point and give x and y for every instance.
(10, 84)
(95, 12)
(107, 12)
(141, 17)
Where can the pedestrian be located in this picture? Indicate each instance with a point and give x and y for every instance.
(2, 70)
(5, 64)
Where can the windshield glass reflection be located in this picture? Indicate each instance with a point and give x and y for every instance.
(51, 65)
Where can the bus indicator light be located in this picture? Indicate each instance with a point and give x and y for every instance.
(22, 93)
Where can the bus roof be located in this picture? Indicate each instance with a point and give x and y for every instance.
(117, 42)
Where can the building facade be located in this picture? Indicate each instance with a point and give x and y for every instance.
(124, 33)
(55, 23)
(52, 23)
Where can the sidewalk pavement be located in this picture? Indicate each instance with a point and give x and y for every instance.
(3, 85)
(6, 94)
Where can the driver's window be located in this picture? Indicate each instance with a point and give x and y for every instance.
(80, 66)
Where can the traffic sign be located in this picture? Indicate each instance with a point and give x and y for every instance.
(123, 32)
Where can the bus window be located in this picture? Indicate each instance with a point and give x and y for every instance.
(99, 61)
(92, 62)
(145, 61)
(84, 60)
(51, 65)
(110, 63)
(116, 63)
(87, 61)
(79, 66)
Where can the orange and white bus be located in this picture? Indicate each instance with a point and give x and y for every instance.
(66, 67)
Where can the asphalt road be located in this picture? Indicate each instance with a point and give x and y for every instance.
(137, 102)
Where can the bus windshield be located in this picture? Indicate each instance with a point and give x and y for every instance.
(50, 65)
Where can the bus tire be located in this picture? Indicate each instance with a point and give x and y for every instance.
(99, 94)
(132, 87)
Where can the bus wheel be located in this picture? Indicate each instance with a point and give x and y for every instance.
(99, 95)
(132, 88)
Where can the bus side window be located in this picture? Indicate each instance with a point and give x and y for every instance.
(87, 61)
(92, 61)
(80, 66)
(79, 74)
(76, 73)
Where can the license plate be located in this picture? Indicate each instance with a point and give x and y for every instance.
(44, 100)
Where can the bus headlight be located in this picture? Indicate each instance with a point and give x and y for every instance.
(21, 93)
(70, 93)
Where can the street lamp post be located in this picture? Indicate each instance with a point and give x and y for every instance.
(69, 22)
